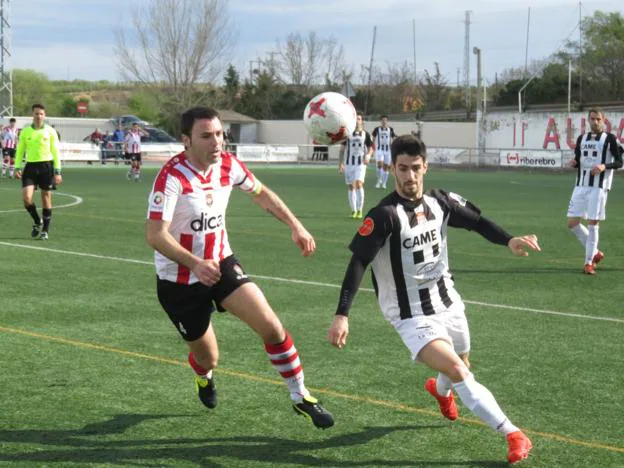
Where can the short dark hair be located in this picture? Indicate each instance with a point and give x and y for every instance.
(596, 110)
(37, 106)
(12, 120)
(196, 113)
(409, 145)
(383, 116)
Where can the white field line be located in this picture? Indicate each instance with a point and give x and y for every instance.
(316, 283)
(77, 201)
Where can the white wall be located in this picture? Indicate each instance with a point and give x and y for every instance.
(447, 134)
(543, 131)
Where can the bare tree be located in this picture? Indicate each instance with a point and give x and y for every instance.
(304, 61)
(177, 45)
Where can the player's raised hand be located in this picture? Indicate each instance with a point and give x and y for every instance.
(304, 241)
(519, 245)
(337, 334)
(208, 272)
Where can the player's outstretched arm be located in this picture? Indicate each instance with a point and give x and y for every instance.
(519, 245)
(269, 200)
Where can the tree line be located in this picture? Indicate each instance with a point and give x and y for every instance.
(167, 75)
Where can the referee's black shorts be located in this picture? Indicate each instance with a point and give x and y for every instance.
(39, 174)
(189, 306)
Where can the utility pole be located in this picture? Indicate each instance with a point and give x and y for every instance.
(467, 62)
(370, 71)
(6, 80)
(526, 51)
(580, 58)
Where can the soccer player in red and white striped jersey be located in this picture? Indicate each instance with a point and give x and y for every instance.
(195, 266)
(9, 143)
(132, 145)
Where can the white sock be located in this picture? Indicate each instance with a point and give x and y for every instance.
(482, 403)
(580, 231)
(443, 385)
(379, 176)
(359, 197)
(351, 194)
(4, 168)
(385, 177)
(591, 247)
(11, 170)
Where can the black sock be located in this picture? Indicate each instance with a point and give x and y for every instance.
(32, 210)
(47, 217)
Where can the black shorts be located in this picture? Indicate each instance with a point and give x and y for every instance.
(39, 174)
(9, 152)
(189, 306)
(133, 156)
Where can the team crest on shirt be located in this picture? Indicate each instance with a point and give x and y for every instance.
(367, 227)
(209, 199)
(158, 198)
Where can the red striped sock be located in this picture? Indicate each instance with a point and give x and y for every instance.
(199, 370)
(285, 360)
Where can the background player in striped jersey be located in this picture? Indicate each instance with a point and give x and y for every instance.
(355, 154)
(404, 239)
(132, 148)
(382, 139)
(596, 155)
(196, 267)
(9, 143)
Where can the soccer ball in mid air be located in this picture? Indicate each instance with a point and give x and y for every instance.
(330, 118)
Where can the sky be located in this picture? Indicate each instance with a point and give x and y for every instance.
(74, 39)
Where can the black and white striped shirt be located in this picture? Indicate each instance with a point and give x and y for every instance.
(357, 146)
(591, 150)
(405, 242)
(382, 137)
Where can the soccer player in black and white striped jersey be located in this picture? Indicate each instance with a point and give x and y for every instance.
(382, 139)
(355, 154)
(596, 155)
(404, 239)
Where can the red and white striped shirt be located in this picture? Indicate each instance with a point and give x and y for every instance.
(9, 137)
(133, 142)
(195, 203)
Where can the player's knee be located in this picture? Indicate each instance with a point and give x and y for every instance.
(458, 371)
(572, 223)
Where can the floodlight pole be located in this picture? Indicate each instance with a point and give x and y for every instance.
(520, 93)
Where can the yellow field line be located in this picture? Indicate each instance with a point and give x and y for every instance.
(325, 391)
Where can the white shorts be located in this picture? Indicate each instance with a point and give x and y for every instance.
(353, 173)
(383, 157)
(451, 326)
(588, 203)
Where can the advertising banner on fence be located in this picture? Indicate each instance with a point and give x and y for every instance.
(448, 156)
(531, 158)
(267, 153)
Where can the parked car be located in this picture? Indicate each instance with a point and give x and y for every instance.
(156, 135)
(127, 120)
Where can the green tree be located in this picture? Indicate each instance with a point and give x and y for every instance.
(29, 87)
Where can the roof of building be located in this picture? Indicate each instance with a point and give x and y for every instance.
(230, 116)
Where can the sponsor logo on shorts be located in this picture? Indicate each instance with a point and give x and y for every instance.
(240, 274)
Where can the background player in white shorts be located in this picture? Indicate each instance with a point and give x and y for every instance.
(404, 239)
(382, 139)
(596, 155)
(355, 154)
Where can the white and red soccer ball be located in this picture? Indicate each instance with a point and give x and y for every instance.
(330, 118)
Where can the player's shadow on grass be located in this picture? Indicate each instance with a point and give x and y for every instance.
(86, 446)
